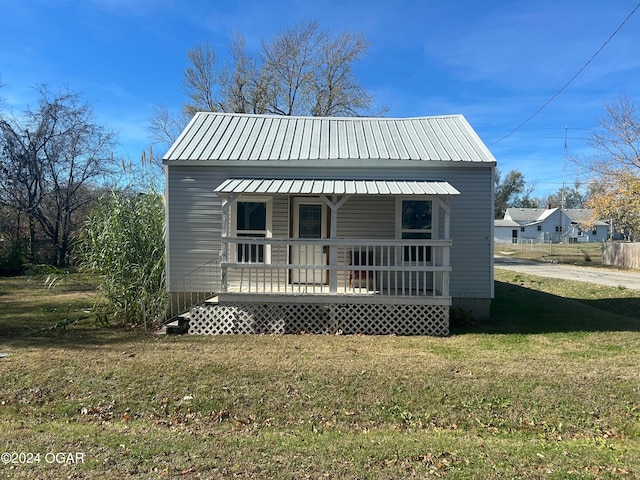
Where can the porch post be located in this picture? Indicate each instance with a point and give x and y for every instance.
(225, 231)
(334, 205)
(444, 204)
(333, 251)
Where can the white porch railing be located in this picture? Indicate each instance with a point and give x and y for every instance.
(385, 268)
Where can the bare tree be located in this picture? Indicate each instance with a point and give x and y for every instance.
(200, 80)
(49, 160)
(617, 140)
(243, 84)
(303, 70)
(335, 89)
(615, 166)
(165, 126)
(292, 59)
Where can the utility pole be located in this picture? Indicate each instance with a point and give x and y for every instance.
(563, 230)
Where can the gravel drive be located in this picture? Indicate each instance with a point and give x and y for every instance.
(601, 276)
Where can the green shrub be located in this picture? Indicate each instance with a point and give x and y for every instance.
(13, 258)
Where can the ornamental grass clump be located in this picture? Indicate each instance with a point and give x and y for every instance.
(122, 242)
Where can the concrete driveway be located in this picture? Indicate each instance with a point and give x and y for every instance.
(601, 276)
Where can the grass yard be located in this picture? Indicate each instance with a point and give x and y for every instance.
(585, 254)
(549, 388)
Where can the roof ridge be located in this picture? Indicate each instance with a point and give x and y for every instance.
(310, 117)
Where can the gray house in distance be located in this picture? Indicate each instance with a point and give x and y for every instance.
(571, 225)
(314, 224)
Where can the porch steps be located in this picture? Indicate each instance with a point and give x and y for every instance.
(212, 301)
(180, 325)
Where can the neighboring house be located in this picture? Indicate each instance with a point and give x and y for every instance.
(549, 225)
(582, 227)
(315, 224)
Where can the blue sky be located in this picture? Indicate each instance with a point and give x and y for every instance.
(496, 62)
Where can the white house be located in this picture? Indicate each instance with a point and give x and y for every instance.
(549, 225)
(315, 224)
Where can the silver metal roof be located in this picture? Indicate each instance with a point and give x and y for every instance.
(527, 215)
(242, 137)
(334, 187)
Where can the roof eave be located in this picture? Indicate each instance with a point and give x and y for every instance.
(333, 163)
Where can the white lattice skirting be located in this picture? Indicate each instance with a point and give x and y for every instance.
(282, 318)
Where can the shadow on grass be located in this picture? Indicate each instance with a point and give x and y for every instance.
(82, 335)
(522, 310)
(515, 310)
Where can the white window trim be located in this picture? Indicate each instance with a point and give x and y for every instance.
(434, 221)
(269, 223)
(434, 215)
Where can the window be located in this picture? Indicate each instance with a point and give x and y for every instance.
(416, 222)
(522, 229)
(539, 228)
(252, 220)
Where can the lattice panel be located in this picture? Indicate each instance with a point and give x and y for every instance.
(348, 319)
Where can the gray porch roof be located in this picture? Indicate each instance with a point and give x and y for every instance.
(334, 187)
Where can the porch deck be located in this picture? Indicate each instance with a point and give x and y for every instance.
(250, 292)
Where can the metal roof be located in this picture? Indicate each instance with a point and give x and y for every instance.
(532, 216)
(244, 137)
(527, 215)
(334, 187)
(505, 223)
(584, 216)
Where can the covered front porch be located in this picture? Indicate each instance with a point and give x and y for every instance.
(329, 256)
(300, 238)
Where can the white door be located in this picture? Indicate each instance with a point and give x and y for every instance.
(309, 222)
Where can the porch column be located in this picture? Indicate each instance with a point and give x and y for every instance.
(225, 231)
(334, 204)
(444, 205)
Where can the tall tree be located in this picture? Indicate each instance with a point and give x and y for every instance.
(244, 86)
(49, 159)
(511, 192)
(615, 166)
(291, 60)
(302, 70)
(567, 197)
(336, 91)
(200, 79)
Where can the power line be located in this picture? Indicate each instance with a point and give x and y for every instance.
(571, 79)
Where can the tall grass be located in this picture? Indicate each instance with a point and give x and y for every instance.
(122, 241)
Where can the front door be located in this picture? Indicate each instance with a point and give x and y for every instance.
(309, 222)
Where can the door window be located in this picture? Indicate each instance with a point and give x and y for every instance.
(310, 221)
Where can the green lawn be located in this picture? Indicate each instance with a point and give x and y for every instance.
(549, 388)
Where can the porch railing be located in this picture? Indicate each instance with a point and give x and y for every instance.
(394, 268)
